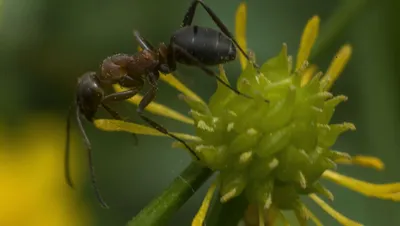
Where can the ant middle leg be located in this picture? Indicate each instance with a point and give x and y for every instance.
(123, 95)
(147, 99)
(187, 21)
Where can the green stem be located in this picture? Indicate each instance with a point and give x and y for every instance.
(228, 213)
(160, 210)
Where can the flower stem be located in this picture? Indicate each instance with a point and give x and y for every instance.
(228, 213)
(160, 210)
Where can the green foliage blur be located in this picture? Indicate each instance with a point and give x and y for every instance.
(47, 44)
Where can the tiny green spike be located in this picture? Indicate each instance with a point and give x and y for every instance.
(198, 116)
(290, 161)
(290, 63)
(214, 157)
(245, 158)
(245, 141)
(210, 129)
(241, 161)
(238, 106)
(329, 109)
(280, 112)
(328, 134)
(222, 96)
(277, 68)
(322, 190)
(329, 164)
(273, 142)
(301, 213)
(338, 155)
(250, 82)
(314, 86)
(260, 192)
(304, 134)
(195, 105)
(252, 116)
(232, 185)
(318, 163)
(321, 96)
(301, 179)
(261, 167)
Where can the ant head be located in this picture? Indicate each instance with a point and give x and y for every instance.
(89, 94)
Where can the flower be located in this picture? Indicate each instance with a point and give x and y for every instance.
(33, 190)
(273, 152)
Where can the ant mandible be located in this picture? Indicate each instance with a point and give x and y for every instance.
(190, 45)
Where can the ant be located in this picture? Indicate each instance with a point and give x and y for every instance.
(191, 45)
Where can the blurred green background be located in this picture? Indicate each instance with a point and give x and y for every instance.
(46, 44)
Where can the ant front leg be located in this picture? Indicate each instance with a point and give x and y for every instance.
(147, 99)
(187, 21)
(116, 116)
(119, 96)
(90, 158)
(123, 95)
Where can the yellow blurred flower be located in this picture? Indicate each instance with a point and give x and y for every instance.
(33, 190)
(256, 215)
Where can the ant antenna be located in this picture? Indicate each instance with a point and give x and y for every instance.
(90, 157)
(67, 173)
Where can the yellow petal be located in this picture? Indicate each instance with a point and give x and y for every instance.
(261, 216)
(336, 67)
(382, 191)
(198, 220)
(283, 219)
(313, 217)
(308, 74)
(240, 31)
(174, 82)
(117, 125)
(367, 161)
(308, 38)
(272, 215)
(157, 109)
(338, 216)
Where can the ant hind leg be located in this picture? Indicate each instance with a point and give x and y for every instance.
(188, 18)
(147, 98)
